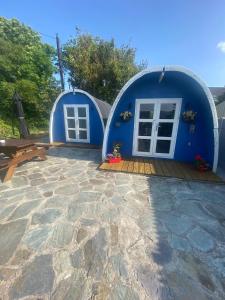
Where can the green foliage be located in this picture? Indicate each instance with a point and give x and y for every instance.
(98, 66)
(26, 66)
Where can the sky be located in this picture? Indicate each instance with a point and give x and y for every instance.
(190, 33)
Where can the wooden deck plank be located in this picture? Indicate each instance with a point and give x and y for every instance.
(148, 169)
(161, 167)
(125, 165)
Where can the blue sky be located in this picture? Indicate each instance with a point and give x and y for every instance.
(180, 32)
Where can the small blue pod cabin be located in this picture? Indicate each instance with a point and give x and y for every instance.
(78, 117)
(165, 112)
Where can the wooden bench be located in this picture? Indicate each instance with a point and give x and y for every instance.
(18, 151)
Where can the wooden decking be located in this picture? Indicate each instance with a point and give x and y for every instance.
(161, 167)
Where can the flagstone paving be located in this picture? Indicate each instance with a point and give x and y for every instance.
(69, 231)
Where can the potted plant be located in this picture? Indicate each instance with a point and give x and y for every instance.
(189, 116)
(200, 164)
(114, 157)
(126, 115)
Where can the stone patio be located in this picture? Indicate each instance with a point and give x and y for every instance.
(69, 231)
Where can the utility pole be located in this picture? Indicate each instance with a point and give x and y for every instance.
(59, 53)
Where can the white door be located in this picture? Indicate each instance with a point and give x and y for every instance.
(76, 118)
(155, 128)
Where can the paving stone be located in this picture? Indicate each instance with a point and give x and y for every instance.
(88, 197)
(62, 264)
(24, 209)
(37, 175)
(6, 211)
(196, 269)
(162, 254)
(37, 181)
(119, 265)
(10, 236)
(95, 254)
(153, 283)
(77, 259)
(215, 210)
(177, 224)
(7, 273)
(62, 235)
(75, 287)
(184, 288)
(201, 240)
(68, 189)
(114, 234)
(37, 278)
(75, 212)
(122, 292)
(21, 256)
(81, 234)
(35, 238)
(46, 216)
(88, 222)
(179, 243)
(19, 181)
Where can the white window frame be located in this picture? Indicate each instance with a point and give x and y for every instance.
(155, 122)
(76, 118)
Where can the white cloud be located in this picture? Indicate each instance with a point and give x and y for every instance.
(221, 46)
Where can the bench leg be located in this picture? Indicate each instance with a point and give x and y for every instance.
(9, 173)
(42, 154)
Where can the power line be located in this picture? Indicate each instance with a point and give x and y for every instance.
(47, 35)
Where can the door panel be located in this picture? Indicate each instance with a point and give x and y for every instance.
(76, 118)
(155, 128)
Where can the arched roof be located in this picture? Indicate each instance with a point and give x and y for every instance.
(179, 69)
(102, 108)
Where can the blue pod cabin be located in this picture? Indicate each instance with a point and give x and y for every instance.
(78, 117)
(165, 112)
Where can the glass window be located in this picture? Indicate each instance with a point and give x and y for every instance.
(81, 112)
(145, 129)
(165, 129)
(146, 111)
(144, 145)
(167, 111)
(72, 134)
(82, 123)
(71, 123)
(70, 111)
(163, 146)
(83, 134)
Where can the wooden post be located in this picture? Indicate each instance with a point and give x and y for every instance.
(24, 132)
(59, 53)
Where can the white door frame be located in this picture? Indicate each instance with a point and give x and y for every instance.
(76, 118)
(154, 136)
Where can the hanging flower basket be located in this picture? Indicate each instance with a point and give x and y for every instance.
(189, 116)
(126, 116)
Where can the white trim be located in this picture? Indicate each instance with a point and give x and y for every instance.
(168, 69)
(155, 120)
(76, 119)
(58, 99)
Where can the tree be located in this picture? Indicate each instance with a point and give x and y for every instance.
(26, 65)
(98, 66)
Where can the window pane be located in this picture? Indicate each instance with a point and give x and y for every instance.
(163, 146)
(167, 111)
(81, 112)
(71, 123)
(145, 129)
(143, 145)
(82, 134)
(82, 123)
(70, 111)
(165, 129)
(72, 134)
(146, 111)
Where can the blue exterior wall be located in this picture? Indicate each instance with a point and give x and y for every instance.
(58, 130)
(173, 85)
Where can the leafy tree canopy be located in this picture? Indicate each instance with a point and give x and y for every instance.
(26, 65)
(98, 66)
